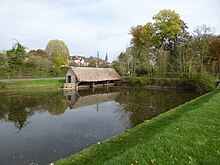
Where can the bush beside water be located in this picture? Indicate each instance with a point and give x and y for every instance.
(133, 80)
(143, 80)
(202, 82)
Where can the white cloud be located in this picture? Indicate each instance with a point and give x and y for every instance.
(87, 26)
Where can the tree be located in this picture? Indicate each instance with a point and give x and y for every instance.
(3, 63)
(38, 64)
(186, 59)
(148, 34)
(3, 59)
(169, 29)
(137, 35)
(203, 36)
(38, 52)
(103, 64)
(166, 32)
(161, 65)
(139, 51)
(122, 64)
(58, 52)
(16, 57)
(166, 46)
(213, 60)
(92, 63)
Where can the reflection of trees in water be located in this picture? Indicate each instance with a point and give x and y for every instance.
(17, 109)
(133, 105)
(122, 115)
(143, 104)
(56, 105)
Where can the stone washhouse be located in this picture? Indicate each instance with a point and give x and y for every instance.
(88, 77)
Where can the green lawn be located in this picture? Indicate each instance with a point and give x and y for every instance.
(188, 134)
(30, 85)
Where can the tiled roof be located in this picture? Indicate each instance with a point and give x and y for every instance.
(89, 74)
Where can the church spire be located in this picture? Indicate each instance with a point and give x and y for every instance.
(106, 57)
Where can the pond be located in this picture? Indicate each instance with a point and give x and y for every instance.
(41, 128)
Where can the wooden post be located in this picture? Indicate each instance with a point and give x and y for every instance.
(93, 86)
(76, 87)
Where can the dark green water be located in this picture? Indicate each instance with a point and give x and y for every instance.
(41, 128)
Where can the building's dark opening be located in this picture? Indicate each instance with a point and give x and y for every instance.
(69, 98)
(68, 79)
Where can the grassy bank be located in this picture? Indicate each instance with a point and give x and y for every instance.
(30, 85)
(188, 134)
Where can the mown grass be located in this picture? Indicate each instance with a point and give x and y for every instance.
(188, 134)
(30, 85)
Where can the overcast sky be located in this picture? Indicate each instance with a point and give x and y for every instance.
(88, 26)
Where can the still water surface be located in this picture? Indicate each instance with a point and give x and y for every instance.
(41, 128)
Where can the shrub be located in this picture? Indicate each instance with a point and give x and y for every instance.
(144, 80)
(133, 80)
(202, 82)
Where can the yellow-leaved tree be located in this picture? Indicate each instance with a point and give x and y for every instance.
(58, 52)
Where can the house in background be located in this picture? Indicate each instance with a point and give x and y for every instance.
(90, 77)
(79, 61)
(91, 61)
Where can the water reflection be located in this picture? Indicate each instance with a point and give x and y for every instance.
(140, 104)
(76, 100)
(145, 104)
(19, 108)
(53, 125)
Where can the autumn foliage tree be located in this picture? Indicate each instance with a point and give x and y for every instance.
(164, 48)
(49, 62)
(169, 29)
(213, 59)
(58, 52)
(157, 42)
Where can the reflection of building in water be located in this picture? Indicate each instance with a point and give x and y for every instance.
(71, 99)
(76, 101)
